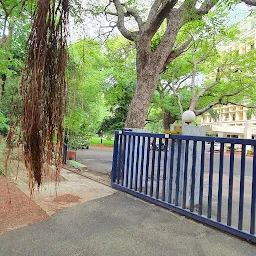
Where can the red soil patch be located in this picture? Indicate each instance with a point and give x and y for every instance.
(16, 208)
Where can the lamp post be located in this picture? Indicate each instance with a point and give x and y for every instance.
(188, 116)
(191, 163)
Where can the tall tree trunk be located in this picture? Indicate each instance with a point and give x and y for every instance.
(140, 102)
(146, 83)
(168, 119)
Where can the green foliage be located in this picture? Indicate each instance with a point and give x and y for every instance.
(12, 55)
(10, 104)
(85, 108)
(120, 83)
(77, 142)
(236, 71)
(156, 40)
(4, 125)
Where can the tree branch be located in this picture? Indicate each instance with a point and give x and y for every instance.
(207, 88)
(159, 11)
(154, 9)
(179, 100)
(219, 101)
(130, 12)
(176, 53)
(242, 105)
(193, 80)
(250, 2)
(120, 22)
(180, 105)
(206, 6)
(209, 106)
(189, 4)
(135, 14)
(4, 8)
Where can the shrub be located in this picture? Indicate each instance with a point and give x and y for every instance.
(4, 126)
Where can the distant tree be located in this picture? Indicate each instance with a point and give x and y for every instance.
(85, 100)
(120, 85)
(15, 22)
(210, 77)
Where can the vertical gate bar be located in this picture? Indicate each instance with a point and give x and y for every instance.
(171, 172)
(147, 166)
(241, 194)
(142, 163)
(153, 167)
(128, 160)
(137, 163)
(185, 180)
(230, 184)
(120, 154)
(124, 153)
(209, 210)
(165, 165)
(201, 186)
(253, 199)
(132, 160)
(115, 155)
(219, 207)
(193, 178)
(177, 188)
(158, 168)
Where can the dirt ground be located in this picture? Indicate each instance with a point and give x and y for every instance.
(16, 208)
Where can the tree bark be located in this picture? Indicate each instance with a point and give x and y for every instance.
(137, 114)
(149, 65)
(168, 119)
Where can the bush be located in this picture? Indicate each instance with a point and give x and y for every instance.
(250, 151)
(4, 126)
(76, 143)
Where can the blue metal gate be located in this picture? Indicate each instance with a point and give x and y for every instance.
(209, 179)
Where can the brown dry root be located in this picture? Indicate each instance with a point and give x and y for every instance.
(43, 88)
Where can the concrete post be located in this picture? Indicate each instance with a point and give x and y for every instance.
(193, 131)
(248, 134)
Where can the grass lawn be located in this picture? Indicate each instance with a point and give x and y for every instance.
(106, 142)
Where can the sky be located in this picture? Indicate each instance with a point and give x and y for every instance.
(239, 13)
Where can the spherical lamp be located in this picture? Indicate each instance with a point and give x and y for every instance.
(188, 116)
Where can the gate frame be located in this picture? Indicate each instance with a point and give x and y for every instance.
(186, 212)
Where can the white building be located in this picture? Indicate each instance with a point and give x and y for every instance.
(230, 121)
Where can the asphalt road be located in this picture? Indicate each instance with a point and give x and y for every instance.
(96, 159)
(120, 225)
(100, 160)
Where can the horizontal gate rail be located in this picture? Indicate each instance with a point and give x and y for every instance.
(200, 177)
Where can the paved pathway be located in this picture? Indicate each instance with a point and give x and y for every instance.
(96, 159)
(119, 224)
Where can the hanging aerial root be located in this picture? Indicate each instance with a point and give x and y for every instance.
(43, 89)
